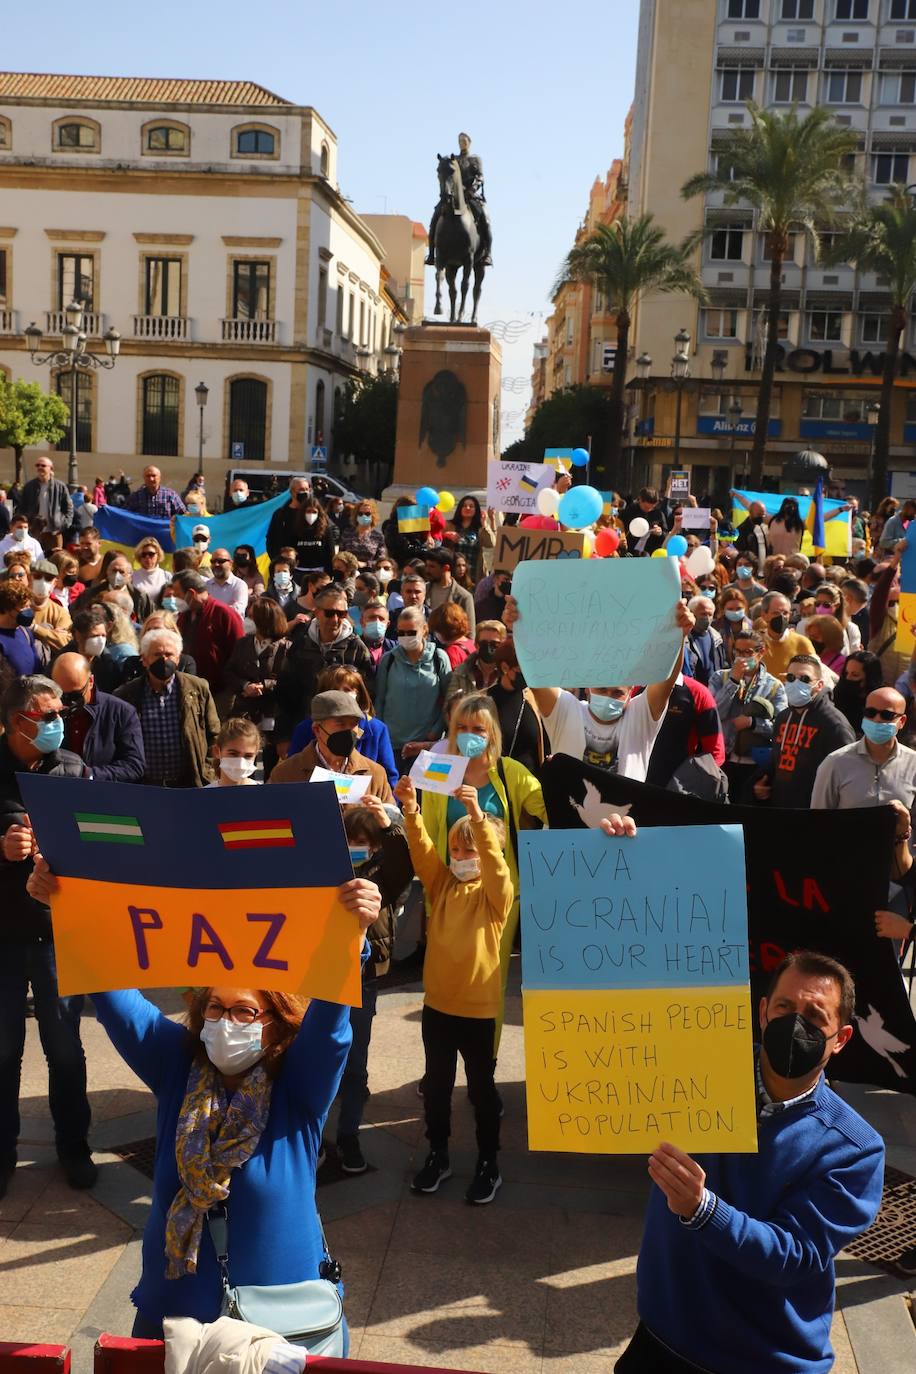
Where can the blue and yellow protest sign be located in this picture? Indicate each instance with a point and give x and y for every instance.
(593, 622)
(171, 888)
(636, 996)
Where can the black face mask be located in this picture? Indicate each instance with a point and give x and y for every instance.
(341, 743)
(486, 651)
(25, 616)
(778, 624)
(302, 497)
(72, 701)
(70, 580)
(794, 1046)
(163, 669)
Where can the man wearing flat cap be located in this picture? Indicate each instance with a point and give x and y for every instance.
(336, 725)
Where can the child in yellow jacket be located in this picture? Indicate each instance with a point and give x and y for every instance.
(469, 905)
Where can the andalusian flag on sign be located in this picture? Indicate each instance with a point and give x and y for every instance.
(108, 829)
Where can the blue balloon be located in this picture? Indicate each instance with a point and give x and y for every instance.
(677, 546)
(580, 457)
(580, 506)
(427, 496)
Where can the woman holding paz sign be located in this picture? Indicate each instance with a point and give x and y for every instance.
(243, 1089)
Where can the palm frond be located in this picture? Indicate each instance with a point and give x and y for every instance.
(626, 259)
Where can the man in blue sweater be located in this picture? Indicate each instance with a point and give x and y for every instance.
(736, 1264)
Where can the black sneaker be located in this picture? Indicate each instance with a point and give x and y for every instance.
(435, 1171)
(80, 1171)
(350, 1155)
(906, 1263)
(485, 1183)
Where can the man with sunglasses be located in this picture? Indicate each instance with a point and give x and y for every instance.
(876, 770)
(224, 586)
(33, 731)
(326, 641)
(804, 735)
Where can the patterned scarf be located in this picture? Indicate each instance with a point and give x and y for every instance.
(215, 1135)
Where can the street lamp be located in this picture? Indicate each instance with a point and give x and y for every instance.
(872, 416)
(717, 367)
(72, 357)
(680, 370)
(201, 391)
(735, 410)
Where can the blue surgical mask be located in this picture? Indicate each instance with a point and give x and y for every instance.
(879, 731)
(169, 603)
(744, 571)
(49, 735)
(734, 616)
(798, 694)
(470, 745)
(374, 631)
(359, 853)
(364, 520)
(606, 708)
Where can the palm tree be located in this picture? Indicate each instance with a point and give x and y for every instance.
(882, 239)
(791, 172)
(628, 259)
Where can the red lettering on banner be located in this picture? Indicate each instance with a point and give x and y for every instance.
(781, 889)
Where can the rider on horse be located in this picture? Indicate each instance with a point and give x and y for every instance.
(471, 169)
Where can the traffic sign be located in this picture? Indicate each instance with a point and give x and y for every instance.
(237, 449)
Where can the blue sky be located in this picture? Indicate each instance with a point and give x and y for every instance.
(543, 88)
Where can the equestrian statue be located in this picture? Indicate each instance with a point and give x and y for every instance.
(460, 238)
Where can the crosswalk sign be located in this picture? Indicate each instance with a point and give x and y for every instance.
(319, 453)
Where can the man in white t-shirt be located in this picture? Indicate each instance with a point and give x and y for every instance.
(19, 540)
(613, 728)
(224, 586)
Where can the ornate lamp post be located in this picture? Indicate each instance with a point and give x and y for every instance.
(201, 391)
(680, 371)
(73, 357)
(734, 420)
(872, 415)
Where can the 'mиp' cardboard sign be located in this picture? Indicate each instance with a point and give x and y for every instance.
(516, 544)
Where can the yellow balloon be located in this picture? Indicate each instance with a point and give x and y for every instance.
(446, 502)
(660, 553)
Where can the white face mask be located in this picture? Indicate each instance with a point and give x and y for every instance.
(116, 579)
(180, 605)
(410, 642)
(236, 769)
(18, 533)
(94, 645)
(465, 870)
(230, 1048)
(384, 575)
(238, 497)
(282, 580)
(40, 587)
(201, 542)
(311, 516)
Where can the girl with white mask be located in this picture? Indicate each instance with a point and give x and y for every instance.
(236, 753)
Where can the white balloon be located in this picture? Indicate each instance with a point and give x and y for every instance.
(548, 502)
(700, 562)
(639, 527)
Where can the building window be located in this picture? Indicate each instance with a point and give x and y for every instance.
(910, 410)
(340, 312)
(75, 276)
(362, 324)
(888, 168)
(248, 416)
(825, 326)
(737, 85)
(256, 141)
(322, 297)
(760, 324)
(325, 167)
(75, 136)
(63, 385)
(726, 243)
(166, 138)
(790, 86)
(766, 248)
(319, 412)
(351, 318)
(898, 88)
(720, 324)
(797, 9)
(744, 9)
(835, 405)
(3, 276)
(856, 10)
(250, 290)
(163, 287)
(844, 86)
(873, 328)
(903, 9)
(160, 416)
(6, 132)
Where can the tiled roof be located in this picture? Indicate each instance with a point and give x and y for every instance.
(144, 89)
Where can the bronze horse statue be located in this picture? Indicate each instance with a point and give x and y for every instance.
(457, 244)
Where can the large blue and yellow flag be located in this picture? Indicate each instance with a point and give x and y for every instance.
(183, 888)
(814, 521)
(837, 531)
(121, 530)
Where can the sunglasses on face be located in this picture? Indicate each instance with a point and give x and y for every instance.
(873, 713)
(334, 615)
(799, 677)
(219, 562)
(148, 553)
(46, 717)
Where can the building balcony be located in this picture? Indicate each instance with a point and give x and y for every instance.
(92, 322)
(170, 327)
(250, 331)
(7, 321)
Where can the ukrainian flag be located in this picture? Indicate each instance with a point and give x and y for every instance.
(814, 522)
(121, 530)
(413, 519)
(248, 526)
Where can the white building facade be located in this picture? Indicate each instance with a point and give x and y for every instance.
(203, 221)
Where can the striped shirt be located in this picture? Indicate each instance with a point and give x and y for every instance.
(160, 722)
(162, 504)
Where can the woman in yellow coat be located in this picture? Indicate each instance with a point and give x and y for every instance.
(505, 789)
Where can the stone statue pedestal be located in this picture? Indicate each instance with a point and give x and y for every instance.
(448, 409)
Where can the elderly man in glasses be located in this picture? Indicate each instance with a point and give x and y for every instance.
(33, 732)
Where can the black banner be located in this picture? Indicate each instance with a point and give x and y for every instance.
(814, 881)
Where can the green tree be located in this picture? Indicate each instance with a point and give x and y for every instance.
(29, 416)
(626, 260)
(570, 419)
(791, 172)
(365, 422)
(882, 239)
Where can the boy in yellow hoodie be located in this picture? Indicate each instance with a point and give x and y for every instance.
(469, 904)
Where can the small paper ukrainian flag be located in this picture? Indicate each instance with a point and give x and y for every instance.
(413, 519)
(528, 483)
(438, 772)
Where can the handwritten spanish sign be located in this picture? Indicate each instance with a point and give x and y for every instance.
(636, 994)
(171, 888)
(516, 544)
(596, 622)
(515, 486)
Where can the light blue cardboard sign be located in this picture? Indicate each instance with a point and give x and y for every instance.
(603, 622)
(667, 908)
